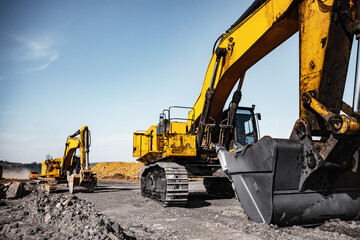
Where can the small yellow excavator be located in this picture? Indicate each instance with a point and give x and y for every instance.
(71, 169)
(309, 178)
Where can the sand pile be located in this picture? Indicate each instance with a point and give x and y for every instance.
(118, 170)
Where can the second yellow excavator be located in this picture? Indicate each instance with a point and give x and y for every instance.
(309, 178)
(71, 169)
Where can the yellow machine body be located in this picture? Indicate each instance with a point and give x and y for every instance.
(174, 142)
(51, 168)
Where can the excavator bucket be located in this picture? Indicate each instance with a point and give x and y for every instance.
(268, 180)
(86, 181)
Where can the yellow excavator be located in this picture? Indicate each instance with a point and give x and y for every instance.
(71, 169)
(307, 179)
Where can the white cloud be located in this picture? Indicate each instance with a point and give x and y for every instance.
(44, 66)
(42, 49)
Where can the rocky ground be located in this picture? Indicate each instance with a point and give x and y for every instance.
(205, 217)
(39, 215)
(116, 210)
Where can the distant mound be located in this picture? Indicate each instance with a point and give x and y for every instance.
(117, 171)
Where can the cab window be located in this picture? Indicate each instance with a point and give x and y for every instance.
(244, 131)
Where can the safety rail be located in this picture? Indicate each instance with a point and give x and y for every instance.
(167, 116)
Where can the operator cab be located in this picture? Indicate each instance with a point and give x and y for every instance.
(245, 126)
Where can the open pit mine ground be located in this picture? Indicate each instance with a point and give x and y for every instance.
(116, 210)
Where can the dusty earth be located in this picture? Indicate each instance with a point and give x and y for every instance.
(116, 210)
(205, 217)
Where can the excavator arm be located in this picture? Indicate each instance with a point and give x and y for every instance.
(79, 140)
(298, 180)
(84, 178)
(324, 56)
(259, 33)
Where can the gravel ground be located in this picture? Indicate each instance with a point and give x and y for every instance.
(205, 217)
(116, 210)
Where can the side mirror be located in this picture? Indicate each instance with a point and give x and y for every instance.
(258, 115)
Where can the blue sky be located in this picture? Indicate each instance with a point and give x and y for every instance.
(115, 65)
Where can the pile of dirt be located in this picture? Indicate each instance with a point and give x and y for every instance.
(118, 171)
(55, 216)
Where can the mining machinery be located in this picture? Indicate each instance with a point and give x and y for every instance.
(70, 169)
(307, 179)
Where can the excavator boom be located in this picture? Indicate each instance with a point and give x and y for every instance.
(79, 140)
(244, 45)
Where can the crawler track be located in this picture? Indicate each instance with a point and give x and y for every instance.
(166, 182)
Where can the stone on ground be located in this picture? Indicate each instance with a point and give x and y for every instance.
(15, 190)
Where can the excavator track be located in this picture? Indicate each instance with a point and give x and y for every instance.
(166, 182)
(49, 185)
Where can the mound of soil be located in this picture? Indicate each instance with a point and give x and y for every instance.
(55, 216)
(117, 171)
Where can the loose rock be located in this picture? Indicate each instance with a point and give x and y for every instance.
(54, 216)
(15, 190)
